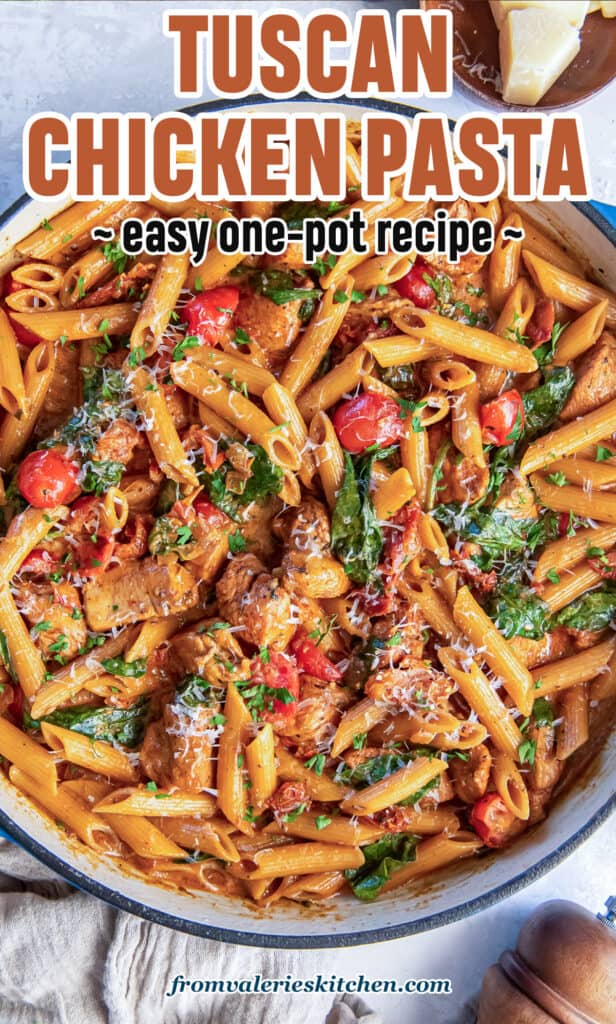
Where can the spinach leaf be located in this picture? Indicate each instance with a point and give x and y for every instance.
(195, 692)
(166, 536)
(129, 669)
(544, 404)
(414, 798)
(500, 536)
(266, 478)
(517, 611)
(119, 725)
(295, 213)
(381, 859)
(373, 769)
(543, 712)
(280, 286)
(356, 534)
(98, 477)
(595, 610)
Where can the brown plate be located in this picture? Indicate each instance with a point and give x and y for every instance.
(476, 62)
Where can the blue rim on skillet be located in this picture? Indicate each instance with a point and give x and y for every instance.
(339, 939)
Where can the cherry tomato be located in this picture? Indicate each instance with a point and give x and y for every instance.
(312, 660)
(541, 323)
(413, 286)
(366, 420)
(95, 555)
(204, 507)
(492, 819)
(210, 313)
(39, 562)
(279, 673)
(502, 421)
(47, 478)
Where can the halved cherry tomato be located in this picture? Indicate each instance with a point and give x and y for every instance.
(502, 421)
(366, 420)
(413, 286)
(48, 478)
(95, 555)
(541, 323)
(280, 673)
(204, 507)
(210, 313)
(311, 660)
(39, 562)
(492, 819)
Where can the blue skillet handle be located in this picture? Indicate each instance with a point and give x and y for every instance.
(609, 212)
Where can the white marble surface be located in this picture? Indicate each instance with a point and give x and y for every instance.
(94, 56)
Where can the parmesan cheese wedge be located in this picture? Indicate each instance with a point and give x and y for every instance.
(574, 10)
(535, 48)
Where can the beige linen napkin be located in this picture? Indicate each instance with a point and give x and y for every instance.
(67, 958)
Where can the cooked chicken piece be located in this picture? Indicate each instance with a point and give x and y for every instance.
(136, 591)
(353, 758)
(256, 527)
(118, 443)
(177, 749)
(63, 393)
(274, 328)
(464, 480)
(318, 712)
(595, 379)
(516, 498)
(397, 638)
(308, 564)
(491, 380)
(534, 653)
(415, 686)
(133, 542)
(292, 258)
(470, 778)
(538, 800)
(484, 582)
(53, 610)
(582, 639)
(132, 282)
(210, 650)
(472, 262)
(248, 596)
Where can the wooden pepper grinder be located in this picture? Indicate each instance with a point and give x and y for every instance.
(563, 970)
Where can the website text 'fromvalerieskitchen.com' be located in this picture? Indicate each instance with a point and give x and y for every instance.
(332, 983)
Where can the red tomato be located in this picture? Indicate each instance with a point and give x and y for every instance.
(502, 421)
(366, 420)
(492, 819)
(540, 326)
(16, 707)
(566, 526)
(204, 507)
(39, 562)
(47, 478)
(279, 673)
(312, 660)
(25, 336)
(413, 286)
(95, 555)
(210, 313)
